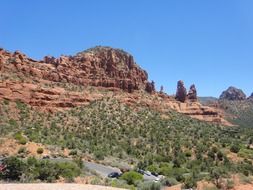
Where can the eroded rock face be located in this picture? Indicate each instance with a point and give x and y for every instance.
(181, 94)
(192, 94)
(100, 66)
(47, 84)
(150, 87)
(233, 93)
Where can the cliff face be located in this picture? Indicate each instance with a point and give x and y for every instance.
(54, 84)
(100, 66)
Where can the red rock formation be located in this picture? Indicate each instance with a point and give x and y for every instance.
(100, 66)
(192, 94)
(181, 94)
(150, 87)
(35, 83)
(233, 93)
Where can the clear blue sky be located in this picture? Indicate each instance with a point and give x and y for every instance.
(206, 42)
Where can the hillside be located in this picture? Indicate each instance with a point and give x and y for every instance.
(107, 130)
(238, 112)
(99, 105)
(235, 106)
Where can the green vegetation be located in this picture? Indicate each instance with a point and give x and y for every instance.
(40, 150)
(183, 149)
(132, 177)
(241, 112)
(31, 170)
(20, 138)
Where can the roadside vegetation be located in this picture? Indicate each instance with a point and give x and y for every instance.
(32, 170)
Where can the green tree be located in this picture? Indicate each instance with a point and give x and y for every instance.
(235, 148)
(132, 177)
(14, 168)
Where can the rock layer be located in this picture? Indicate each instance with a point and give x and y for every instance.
(100, 66)
(56, 84)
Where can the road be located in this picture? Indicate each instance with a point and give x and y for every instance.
(100, 169)
(105, 170)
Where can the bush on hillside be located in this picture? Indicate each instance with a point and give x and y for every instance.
(132, 177)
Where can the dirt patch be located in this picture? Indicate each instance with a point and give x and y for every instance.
(10, 147)
(243, 187)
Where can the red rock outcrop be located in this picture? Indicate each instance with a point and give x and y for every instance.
(108, 70)
(100, 66)
(181, 94)
(192, 94)
(233, 93)
(50, 99)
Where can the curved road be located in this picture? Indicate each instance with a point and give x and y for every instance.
(102, 170)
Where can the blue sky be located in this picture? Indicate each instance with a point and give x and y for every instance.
(205, 42)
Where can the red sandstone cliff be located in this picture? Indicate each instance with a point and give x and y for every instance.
(61, 83)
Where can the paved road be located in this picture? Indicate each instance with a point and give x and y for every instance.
(102, 170)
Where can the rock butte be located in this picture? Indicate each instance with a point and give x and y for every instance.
(97, 73)
(233, 93)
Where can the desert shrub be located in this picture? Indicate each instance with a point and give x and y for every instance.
(22, 150)
(33, 169)
(153, 168)
(230, 184)
(220, 155)
(190, 182)
(235, 148)
(188, 154)
(73, 153)
(99, 155)
(131, 177)
(13, 123)
(20, 138)
(6, 102)
(68, 170)
(169, 181)
(40, 150)
(14, 168)
(96, 181)
(121, 184)
(149, 186)
(79, 162)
